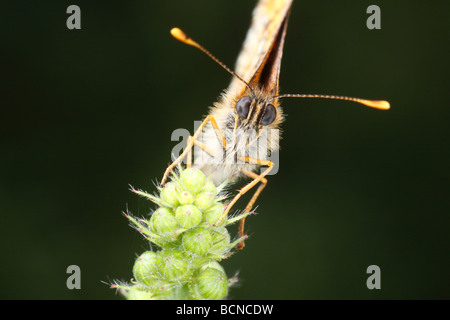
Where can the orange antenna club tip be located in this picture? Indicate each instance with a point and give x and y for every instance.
(178, 34)
(377, 104)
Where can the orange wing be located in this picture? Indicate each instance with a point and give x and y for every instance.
(260, 58)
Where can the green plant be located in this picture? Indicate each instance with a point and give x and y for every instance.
(186, 266)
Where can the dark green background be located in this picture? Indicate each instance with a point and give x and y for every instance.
(87, 112)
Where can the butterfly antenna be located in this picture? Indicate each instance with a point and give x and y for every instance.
(183, 37)
(377, 104)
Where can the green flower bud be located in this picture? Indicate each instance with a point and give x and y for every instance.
(212, 215)
(185, 197)
(145, 269)
(188, 216)
(179, 292)
(191, 244)
(210, 187)
(164, 223)
(211, 264)
(221, 241)
(169, 194)
(172, 264)
(139, 295)
(198, 261)
(193, 180)
(197, 241)
(174, 242)
(204, 200)
(210, 284)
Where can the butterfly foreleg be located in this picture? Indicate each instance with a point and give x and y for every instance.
(256, 179)
(250, 204)
(187, 152)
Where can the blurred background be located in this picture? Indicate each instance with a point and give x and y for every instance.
(87, 112)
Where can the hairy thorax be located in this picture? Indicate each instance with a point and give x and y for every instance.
(246, 144)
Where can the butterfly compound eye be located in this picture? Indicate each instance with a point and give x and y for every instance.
(243, 106)
(269, 115)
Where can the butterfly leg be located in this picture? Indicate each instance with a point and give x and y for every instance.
(250, 204)
(189, 154)
(199, 144)
(190, 145)
(256, 179)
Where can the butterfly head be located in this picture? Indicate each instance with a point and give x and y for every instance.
(255, 109)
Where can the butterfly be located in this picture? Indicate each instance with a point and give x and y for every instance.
(242, 128)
